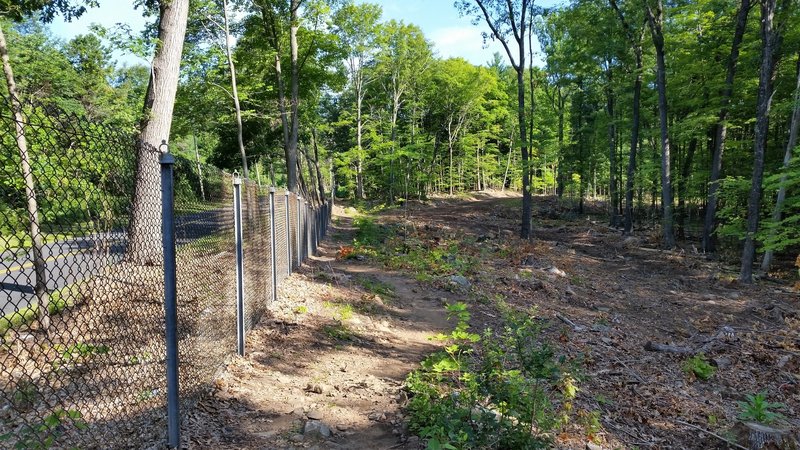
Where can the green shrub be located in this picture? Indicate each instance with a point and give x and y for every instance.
(496, 391)
(699, 367)
(758, 409)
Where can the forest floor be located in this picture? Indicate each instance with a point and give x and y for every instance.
(326, 368)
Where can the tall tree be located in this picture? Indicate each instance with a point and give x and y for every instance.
(159, 102)
(357, 27)
(721, 128)
(770, 37)
(655, 20)
(794, 127)
(48, 10)
(507, 20)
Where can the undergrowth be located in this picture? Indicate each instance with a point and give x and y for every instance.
(504, 389)
(402, 251)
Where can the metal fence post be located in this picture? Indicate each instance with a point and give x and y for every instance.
(288, 237)
(297, 234)
(170, 294)
(237, 224)
(272, 243)
(309, 225)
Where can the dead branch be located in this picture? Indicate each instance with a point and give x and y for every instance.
(731, 443)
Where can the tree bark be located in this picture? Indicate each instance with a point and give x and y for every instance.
(316, 164)
(777, 212)
(234, 89)
(518, 32)
(291, 161)
(145, 229)
(656, 20)
(721, 130)
(612, 156)
(769, 37)
(32, 206)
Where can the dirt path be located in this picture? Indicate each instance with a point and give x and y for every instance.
(344, 334)
(325, 369)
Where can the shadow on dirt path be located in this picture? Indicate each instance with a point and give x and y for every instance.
(325, 368)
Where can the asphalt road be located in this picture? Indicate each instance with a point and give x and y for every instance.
(75, 259)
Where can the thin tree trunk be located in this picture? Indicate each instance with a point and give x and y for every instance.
(508, 164)
(316, 164)
(683, 187)
(777, 212)
(656, 21)
(359, 132)
(612, 143)
(199, 168)
(769, 37)
(234, 89)
(291, 162)
(721, 130)
(39, 263)
(145, 228)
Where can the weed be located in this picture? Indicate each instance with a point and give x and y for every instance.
(757, 408)
(44, 435)
(302, 309)
(338, 331)
(699, 367)
(376, 286)
(491, 398)
(75, 352)
(590, 421)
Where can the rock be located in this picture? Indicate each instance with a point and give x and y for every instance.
(267, 434)
(412, 442)
(315, 388)
(314, 414)
(593, 446)
(570, 292)
(600, 328)
(402, 398)
(557, 272)
(459, 280)
(299, 412)
(783, 361)
(314, 428)
(721, 362)
(297, 438)
(342, 427)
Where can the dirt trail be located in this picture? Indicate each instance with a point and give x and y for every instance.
(333, 353)
(344, 334)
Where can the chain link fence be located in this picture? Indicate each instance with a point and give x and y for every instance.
(83, 327)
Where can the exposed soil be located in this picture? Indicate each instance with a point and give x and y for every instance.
(605, 297)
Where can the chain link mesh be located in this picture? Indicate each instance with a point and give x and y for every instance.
(82, 324)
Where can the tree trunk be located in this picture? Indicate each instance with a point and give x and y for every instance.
(612, 156)
(683, 187)
(234, 89)
(655, 21)
(359, 132)
(291, 162)
(721, 130)
(32, 206)
(787, 158)
(769, 37)
(199, 168)
(316, 164)
(145, 229)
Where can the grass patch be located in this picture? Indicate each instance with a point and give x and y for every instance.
(338, 331)
(375, 286)
(60, 299)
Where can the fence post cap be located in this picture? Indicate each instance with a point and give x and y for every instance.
(237, 179)
(272, 189)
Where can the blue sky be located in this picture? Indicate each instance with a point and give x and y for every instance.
(451, 35)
